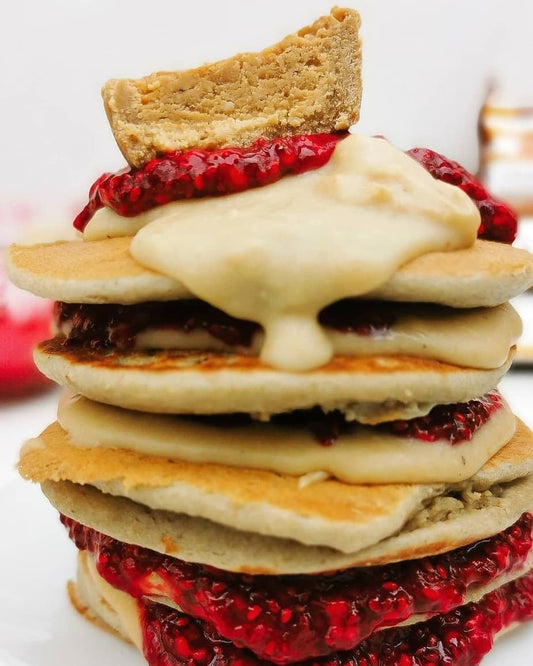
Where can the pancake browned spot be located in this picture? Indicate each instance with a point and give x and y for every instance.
(171, 381)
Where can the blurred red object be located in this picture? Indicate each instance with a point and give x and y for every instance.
(24, 321)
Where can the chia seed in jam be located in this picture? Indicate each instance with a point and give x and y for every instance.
(199, 173)
(461, 637)
(285, 619)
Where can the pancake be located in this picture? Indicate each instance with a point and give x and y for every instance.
(358, 454)
(206, 542)
(487, 272)
(346, 517)
(209, 383)
(483, 275)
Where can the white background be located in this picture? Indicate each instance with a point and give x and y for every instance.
(427, 65)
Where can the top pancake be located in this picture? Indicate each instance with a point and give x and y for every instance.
(483, 275)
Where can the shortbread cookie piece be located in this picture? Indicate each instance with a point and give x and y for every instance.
(310, 82)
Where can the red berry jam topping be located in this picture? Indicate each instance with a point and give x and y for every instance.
(285, 619)
(200, 173)
(498, 221)
(453, 423)
(461, 637)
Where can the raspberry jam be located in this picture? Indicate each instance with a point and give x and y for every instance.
(498, 221)
(462, 637)
(285, 619)
(200, 173)
(116, 326)
(453, 423)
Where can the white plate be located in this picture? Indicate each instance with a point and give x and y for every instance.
(38, 627)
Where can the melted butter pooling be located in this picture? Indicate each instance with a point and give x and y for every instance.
(279, 254)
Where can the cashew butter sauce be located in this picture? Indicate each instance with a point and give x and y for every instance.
(278, 254)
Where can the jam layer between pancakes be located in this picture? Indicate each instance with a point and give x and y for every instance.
(475, 338)
(285, 619)
(461, 637)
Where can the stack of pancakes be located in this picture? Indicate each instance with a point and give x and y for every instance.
(370, 510)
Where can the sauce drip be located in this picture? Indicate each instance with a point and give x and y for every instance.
(280, 254)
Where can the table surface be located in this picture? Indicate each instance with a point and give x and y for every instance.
(37, 625)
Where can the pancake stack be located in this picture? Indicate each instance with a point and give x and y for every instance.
(331, 479)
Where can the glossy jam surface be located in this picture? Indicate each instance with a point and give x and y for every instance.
(461, 637)
(498, 221)
(199, 173)
(285, 619)
(453, 423)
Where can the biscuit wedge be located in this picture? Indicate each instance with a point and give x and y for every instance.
(308, 83)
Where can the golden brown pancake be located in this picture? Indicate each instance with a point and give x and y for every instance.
(484, 275)
(348, 517)
(205, 383)
(200, 540)
(83, 272)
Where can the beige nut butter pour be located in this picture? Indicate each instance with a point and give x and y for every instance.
(362, 455)
(279, 254)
